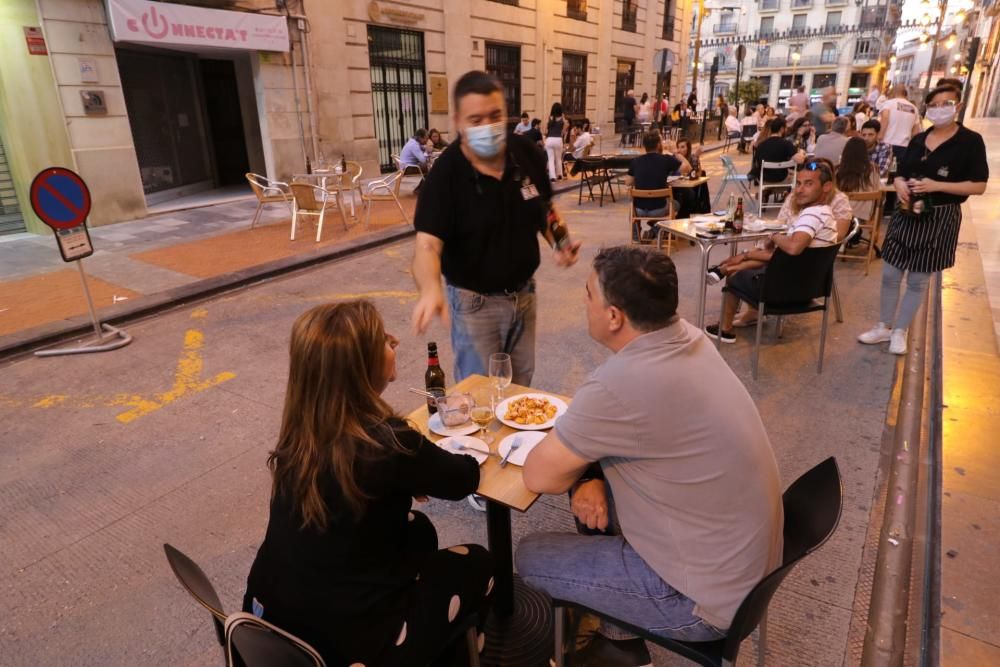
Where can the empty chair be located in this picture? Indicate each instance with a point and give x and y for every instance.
(763, 186)
(267, 192)
(812, 507)
(382, 189)
(592, 172)
(309, 199)
(195, 582)
(260, 644)
(351, 182)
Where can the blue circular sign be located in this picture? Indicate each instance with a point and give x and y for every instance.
(60, 198)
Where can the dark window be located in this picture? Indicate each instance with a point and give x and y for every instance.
(767, 25)
(574, 85)
(833, 19)
(763, 56)
(507, 2)
(787, 82)
(668, 19)
(769, 5)
(630, 14)
(576, 9)
(859, 80)
(399, 92)
(624, 81)
(824, 81)
(799, 22)
(829, 54)
(504, 62)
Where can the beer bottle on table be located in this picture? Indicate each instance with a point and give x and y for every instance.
(343, 164)
(730, 212)
(738, 216)
(434, 376)
(309, 167)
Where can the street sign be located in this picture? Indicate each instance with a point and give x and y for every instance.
(60, 198)
(663, 60)
(74, 243)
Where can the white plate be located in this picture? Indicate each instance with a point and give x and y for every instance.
(435, 425)
(501, 410)
(773, 226)
(476, 448)
(705, 218)
(714, 226)
(528, 442)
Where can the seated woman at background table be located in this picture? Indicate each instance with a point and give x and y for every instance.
(435, 142)
(692, 200)
(345, 564)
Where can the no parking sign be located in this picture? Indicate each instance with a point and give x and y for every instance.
(61, 200)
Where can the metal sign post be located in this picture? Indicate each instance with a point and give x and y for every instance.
(61, 200)
(663, 61)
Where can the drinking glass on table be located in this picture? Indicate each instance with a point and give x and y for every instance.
(483, 411)
(501, 372)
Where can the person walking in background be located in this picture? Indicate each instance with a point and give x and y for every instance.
(941, 168)
(645, 114)
(900, 121)
(824, 111)
(799, 101)
(664, 110)
(629, 109)
(346, 563)
(555, 134)
(478, 220)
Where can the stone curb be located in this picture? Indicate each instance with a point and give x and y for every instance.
(28, 340)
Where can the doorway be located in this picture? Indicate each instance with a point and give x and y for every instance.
(399, 89)
(624, 82)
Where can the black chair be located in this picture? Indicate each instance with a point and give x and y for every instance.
(196, 583)
(812, 506)
(592, 173)
(793, 285)
(258, 643)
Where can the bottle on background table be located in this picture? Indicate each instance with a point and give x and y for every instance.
(738, 216)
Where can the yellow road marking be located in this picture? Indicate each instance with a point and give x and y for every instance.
(187, 380)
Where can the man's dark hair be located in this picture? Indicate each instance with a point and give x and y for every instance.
(872, 125)
(535, 122)
(420, 135)
(651, 140)
(641, 283)
(839, 125)
(778, 126)
(475, 83)
(524, 114)
(949, 81)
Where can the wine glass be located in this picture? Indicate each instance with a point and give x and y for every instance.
(501, 372)
(482, 413)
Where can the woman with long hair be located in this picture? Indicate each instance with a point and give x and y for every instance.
(692, 200)
(857, 173)
(346, 564)
(435, 142)
(941, 167)
(554, 134)
(803, 134)
(645, 109)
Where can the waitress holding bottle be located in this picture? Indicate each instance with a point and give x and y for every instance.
(940, 169)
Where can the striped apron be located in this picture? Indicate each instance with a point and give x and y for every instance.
(923, 244)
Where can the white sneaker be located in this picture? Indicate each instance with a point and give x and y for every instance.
(897, 342)
(878, 334)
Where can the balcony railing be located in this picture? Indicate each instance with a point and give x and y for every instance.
(763, 61)
(869, 57)
(810, 61)
(828, 58)
(724, 28)
(770, 5)
(796, 34)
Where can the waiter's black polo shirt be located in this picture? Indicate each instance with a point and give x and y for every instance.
(488, 228)
(960, 158)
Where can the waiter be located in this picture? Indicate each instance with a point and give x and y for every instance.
(478, 217)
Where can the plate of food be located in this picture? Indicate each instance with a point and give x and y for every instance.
(530, 412)
(465, 444)
(713, 226)
(437, 426)
(526, 442)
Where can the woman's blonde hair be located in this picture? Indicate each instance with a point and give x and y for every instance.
(332, 406)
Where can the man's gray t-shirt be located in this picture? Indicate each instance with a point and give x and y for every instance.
(689, 464)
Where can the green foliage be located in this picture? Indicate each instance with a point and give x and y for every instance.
(751, 90)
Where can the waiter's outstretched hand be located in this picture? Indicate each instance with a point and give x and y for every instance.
(429, 305)
(568, 255)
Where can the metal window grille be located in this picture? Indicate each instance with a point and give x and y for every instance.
(630, 15)
(10, 212)
(576, 9)
(668, 20)
(504, 62)
(399, 88)
(574, 85)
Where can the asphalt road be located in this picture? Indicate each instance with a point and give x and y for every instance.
(105, 457)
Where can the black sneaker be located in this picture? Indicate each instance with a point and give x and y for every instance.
(713, 275)
(604, 652)
(726, 336)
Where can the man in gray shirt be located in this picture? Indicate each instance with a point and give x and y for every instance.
(831, 144)
(690, 494)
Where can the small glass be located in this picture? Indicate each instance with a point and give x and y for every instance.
(483, 411)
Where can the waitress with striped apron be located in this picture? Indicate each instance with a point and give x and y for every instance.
(942, 166)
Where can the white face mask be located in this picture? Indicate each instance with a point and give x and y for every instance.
(941, 115)
(486, 141)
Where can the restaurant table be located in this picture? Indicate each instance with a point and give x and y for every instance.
(684, 228)
(520, 628)
(695, 199)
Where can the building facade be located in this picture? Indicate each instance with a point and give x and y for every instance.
(816, 43)
(154, 101)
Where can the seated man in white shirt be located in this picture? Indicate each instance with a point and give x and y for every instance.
(733, 127)
(583, 142)
(813, 227)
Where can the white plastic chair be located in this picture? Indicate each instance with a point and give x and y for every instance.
(267, 192)
(763, 186)
(309, 199)
(382, 189)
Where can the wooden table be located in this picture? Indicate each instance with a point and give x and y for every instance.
(688, 182)
(520, 629)
(684, 228)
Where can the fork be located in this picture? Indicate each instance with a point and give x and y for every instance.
(461, 446)
(514, 444)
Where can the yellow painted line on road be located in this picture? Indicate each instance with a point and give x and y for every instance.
(187, 380)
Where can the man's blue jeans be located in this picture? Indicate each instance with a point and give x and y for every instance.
(605, 573)
(482, 325)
